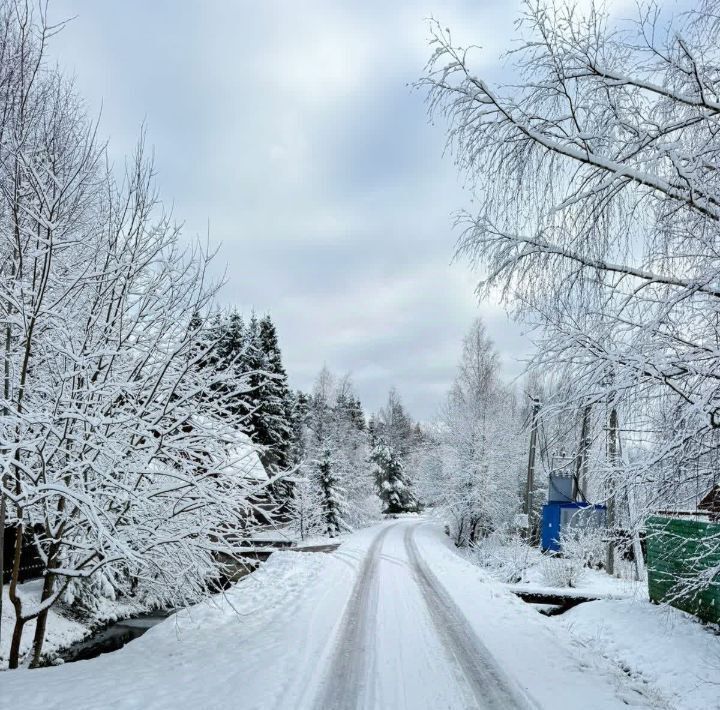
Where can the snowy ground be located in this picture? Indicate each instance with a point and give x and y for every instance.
(665, 648)
(393, 619)
(671, 653)
(62, 628)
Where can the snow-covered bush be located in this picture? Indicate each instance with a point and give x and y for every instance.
(560, 571)
(586, 544)
(506, 557)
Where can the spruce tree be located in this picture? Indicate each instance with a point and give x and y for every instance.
(393, 487)
(332, 500)
(276, 397)
(231, 358)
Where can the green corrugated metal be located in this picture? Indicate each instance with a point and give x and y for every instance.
(679, 552)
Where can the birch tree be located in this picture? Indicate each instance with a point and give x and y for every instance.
(597, 173)
(471, 471)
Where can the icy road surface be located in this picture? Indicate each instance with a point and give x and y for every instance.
(394, 620)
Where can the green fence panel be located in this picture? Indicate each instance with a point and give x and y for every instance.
(683, 560)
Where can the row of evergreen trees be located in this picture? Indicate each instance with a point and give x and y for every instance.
(250, 351)
(330, 464)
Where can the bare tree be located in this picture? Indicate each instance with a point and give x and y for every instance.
(116, 463)
(598, 174)
(471, 471)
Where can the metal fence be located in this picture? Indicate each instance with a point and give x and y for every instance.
(683, 559)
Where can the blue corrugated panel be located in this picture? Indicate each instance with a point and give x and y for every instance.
(552, 522)
(550, 527)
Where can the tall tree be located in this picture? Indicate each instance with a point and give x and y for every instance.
(471, 468)
(106, 467)
(276, 399)
(331, 498)
(599, 217)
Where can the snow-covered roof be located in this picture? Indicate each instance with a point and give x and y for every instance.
(243, 459)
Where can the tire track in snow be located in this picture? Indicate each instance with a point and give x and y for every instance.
(349, 670)
(492, 688)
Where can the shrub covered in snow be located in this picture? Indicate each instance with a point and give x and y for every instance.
(587, 545)
(506, 557)
(561, 571)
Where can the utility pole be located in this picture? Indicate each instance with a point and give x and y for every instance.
(530, 481)
(613, 461)
(582, 459)
(3, 502)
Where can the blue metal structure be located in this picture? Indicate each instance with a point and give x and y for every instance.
(557, 517)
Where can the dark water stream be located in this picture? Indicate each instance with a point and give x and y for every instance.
(113, 637)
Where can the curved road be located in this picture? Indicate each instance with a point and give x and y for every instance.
(404, 643)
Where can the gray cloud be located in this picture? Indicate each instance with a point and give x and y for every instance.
(290, 127)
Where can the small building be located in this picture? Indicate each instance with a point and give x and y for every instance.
(710, 504)
(562, 513)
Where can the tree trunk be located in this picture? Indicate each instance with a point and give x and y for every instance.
(16, 600)
(6, 412)
(582, 459)
(529, 503)
(14, 659)
(612, 458)
(2, 549)
(41, 622)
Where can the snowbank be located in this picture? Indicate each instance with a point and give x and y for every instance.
(262, 644)
(663, 647)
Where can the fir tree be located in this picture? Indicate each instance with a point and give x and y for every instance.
(393, 487)
(276, 408)
(231, 358)
(332, 501)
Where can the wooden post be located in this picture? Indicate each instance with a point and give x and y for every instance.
(530, 480)
(582, 459)
(612, 459)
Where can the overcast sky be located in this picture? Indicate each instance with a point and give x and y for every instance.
(291, 129)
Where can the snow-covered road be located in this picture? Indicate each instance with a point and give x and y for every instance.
(393, 620)
(405, 644)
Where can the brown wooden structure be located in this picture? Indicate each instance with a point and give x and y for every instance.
(710, 503)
